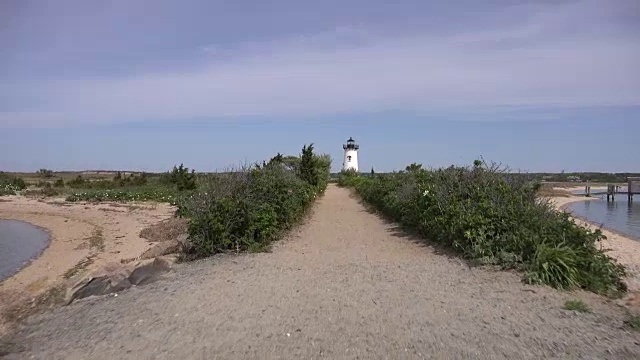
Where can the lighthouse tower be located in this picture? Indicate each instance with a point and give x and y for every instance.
(350, 155)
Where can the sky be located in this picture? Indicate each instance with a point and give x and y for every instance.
(143, 85)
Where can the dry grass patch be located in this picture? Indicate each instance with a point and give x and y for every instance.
(81, 265)
(165, 230)
(96, 240)
(38, 284)
(549, 191)
(576, 305)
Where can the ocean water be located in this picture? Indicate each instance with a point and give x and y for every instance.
(19, 243)
(619, 215)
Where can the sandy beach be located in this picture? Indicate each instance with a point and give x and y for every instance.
(621, 247)
(83, 237)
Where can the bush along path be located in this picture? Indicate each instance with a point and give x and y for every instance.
(492, 217)
(344, 285)
(249, 208)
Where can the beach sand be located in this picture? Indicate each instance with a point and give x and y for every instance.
(618, 246)
(83, 237)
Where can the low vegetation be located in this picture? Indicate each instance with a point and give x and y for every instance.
(134, 187)
(249, 208)
(45, 191)
(180, 177)
(576, 305)
(4, 191)
(9, 184)
(239, 210)
(118, 181)
(147, 193)
(491, 216)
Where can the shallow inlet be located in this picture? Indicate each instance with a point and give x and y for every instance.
(619, 215)
(20, 242)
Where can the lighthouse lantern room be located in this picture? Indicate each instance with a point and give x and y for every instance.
(350, 155)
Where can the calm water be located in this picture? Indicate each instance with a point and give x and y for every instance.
(19, 242)
(619, 215)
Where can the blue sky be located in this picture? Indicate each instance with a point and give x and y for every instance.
(540, 86)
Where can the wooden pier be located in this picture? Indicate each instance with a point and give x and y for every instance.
(633, 188)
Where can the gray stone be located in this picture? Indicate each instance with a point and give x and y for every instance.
(117, 277)
(96, 286)
(149, 272)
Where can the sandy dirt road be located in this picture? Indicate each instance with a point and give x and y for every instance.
(346, 285)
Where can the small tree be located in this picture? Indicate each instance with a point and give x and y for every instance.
(308, 170)
(414, 167)
(372, 172)
(182, 178)
(276, 159)
(45, 173)
(141, 179)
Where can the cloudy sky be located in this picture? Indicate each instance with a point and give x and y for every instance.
(540, 85)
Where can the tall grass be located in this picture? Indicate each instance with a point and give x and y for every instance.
(492, 217)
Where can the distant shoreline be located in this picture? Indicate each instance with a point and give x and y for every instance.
(566, 208)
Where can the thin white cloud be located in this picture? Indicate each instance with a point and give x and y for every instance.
(553, 58)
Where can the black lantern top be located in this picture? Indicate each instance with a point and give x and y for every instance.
(351, 145)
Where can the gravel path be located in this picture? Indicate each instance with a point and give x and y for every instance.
(346, 285)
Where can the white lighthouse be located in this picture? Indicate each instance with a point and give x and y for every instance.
(350, 155)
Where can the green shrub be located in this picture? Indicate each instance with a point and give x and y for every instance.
(59, 183)
(138, 180)
(4, 191)
(249, 208)
(43, 184)
(118, 181)
(128, 180)
(77, 183)
(49, 191)
(181, 178)
(347, 178)
(493, 217)
(9, 184)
